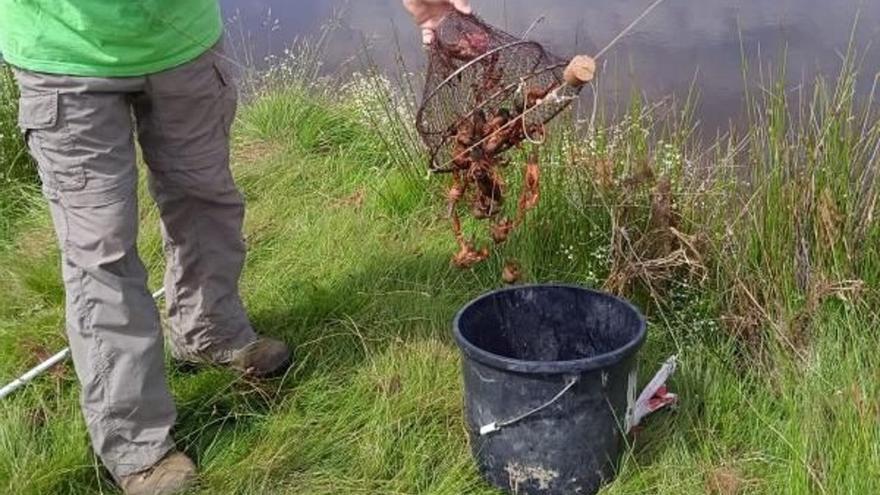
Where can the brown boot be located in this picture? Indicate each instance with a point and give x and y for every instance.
(173, 474)
(262, 358)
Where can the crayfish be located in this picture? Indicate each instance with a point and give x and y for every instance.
(476, 178)
(486, 93)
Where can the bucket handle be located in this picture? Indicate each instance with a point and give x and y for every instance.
(497, 425)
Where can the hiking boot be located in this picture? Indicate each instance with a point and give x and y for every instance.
(175, 473)
(261, 358)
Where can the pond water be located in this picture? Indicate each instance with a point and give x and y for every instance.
(682, 41)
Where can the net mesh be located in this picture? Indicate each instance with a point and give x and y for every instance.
(486, 92)
(480, 76)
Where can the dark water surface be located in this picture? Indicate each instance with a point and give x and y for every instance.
(680, 41)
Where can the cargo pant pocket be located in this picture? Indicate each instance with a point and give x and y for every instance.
(49, 142)
(228, 91)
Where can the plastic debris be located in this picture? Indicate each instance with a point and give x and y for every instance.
(655, 396)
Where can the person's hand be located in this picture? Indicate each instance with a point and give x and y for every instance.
(429, 13)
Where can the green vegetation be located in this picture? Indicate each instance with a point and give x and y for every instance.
(755, 258)
(17, 174)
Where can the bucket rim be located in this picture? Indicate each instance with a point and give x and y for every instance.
(550, 367)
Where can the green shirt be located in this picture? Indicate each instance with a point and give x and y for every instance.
(106, 38)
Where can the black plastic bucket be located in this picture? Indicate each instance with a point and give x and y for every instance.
(549, 375)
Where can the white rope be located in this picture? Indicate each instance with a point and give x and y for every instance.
(629, 28)
(534, 24)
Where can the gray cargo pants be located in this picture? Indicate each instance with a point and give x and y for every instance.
(81, 132)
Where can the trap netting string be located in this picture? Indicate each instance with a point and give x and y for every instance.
(629, 28)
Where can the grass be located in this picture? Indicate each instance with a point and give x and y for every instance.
(754, 256)
(17, 174)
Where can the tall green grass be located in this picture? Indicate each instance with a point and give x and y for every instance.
(17, 174)
(754, 257)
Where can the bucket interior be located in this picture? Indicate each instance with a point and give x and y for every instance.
(550, 323)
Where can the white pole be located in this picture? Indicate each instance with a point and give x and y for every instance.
(33, 373)
(47, 364)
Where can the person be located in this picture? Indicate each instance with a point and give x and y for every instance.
(429, 13)
(94, 76)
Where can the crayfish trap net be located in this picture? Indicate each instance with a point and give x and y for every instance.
(486, 92)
